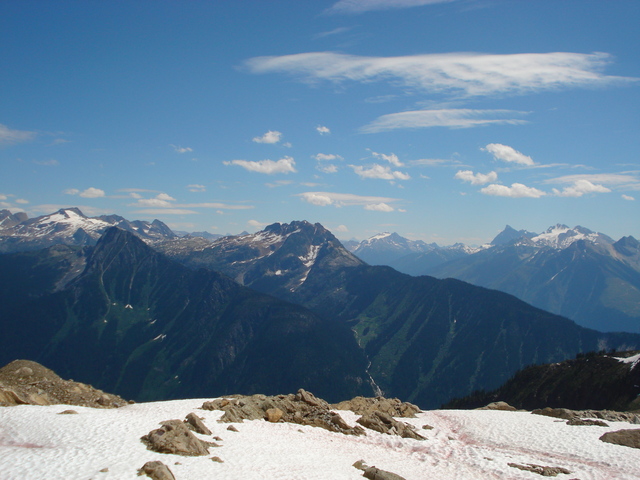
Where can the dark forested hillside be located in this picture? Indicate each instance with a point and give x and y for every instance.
(143, 326)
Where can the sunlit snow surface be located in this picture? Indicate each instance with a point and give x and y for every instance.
(38, 443)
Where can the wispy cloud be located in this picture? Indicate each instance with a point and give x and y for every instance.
(271, 136)
(196, 188)
(90, 192)
(516, 190)
(335, 31)
(361, 6)
(178, 149)
(449, 118)
(9, 136)
(508, 154)
(47, 163)
(326, 157)
(458, 74)
(269, 167)
(322, 130)
(476, 178)
(165, 211)
(622, 180)
(392, 158)
(628, 197)
(380, 172)
(324, 199)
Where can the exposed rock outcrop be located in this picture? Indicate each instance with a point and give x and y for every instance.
(23, 382)
(504, 406)
(174, 437)
(540, 469)
(607, 415)
(374, 473)
(302, 408)
(368, 405)
(156, 471)
(627, 438)
(194, 423)
(385, 423)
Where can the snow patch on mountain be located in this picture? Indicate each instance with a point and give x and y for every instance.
(38, 442)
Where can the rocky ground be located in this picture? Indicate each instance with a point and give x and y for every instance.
(23, 382)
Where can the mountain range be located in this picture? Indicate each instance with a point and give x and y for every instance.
(69, 226)
(575, 272)
(284, 308)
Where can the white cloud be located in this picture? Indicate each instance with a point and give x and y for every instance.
(153, 202)
(271, 136)
(326, 156)
(92, 192)
(71, 191)
(284, 165)
(379, 172)
(580, 188)
(379, 207)
(516, 190)
(460, 74)
(508, 154)
(341, 228)
(628, 197)
(181, 149)
(477, 178)
(360, 6)
(391, 158)
(317, 198)
(324, 199)
(22, 201)
(330, 168)
(449, 118)
(323, 130)
(11, 137)
(164, 196)
(196, 188)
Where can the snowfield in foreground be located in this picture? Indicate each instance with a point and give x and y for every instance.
(38, 443)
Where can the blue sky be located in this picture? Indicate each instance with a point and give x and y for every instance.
(440, 120)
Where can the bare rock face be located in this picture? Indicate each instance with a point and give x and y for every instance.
(156, 471)
(196, 424)
(608, 415)
(174, 437)
(503, 406)
(627, 438)
(385, 423)
(23, 382)
(373, 473)
(303, 408)
(368, 405)
(540, 469)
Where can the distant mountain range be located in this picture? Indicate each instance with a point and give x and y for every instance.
(126, 318)
(575, 272)
(69, 226)
(425, 338)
